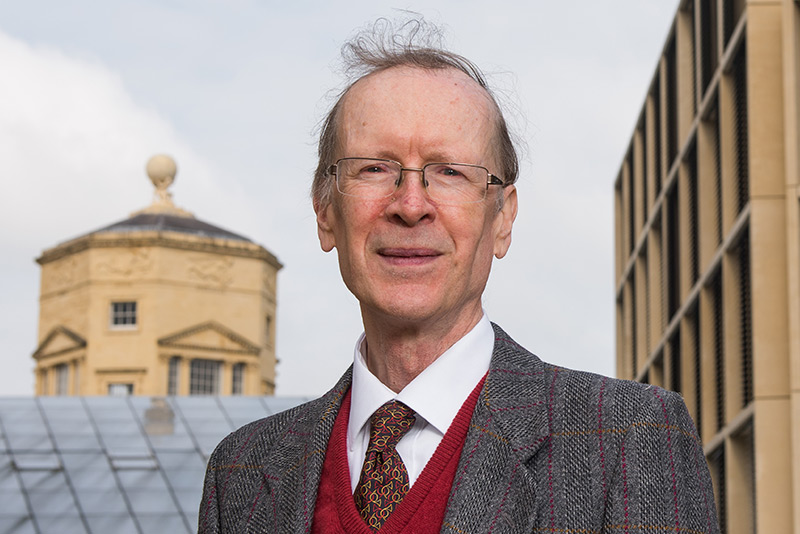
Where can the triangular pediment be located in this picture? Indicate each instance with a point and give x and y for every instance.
(210, 336)
(58, 341)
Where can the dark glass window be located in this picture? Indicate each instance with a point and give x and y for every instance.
(711, 122)
(719, 349)
(634, 326)
(739, 73)
(672, 103)
(676, 383)
(657, 135)
(673, 254)
(708, 41)
(172, 375)
(732, 12)
(694, 325)
(645, 201)
(204, 377)
(694, 214)
(123, 314)
(237, 387)
(632, 192)
(120, 390)
(62, 379)
(716, 462)
(689, 7)
(745, 318)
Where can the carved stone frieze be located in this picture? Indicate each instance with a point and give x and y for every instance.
(63, 274)
(215, 272)
(133, 262)
(269, 276)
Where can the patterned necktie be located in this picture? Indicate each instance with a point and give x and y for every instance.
(384, 479)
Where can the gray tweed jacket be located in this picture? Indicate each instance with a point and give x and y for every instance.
(548, 450)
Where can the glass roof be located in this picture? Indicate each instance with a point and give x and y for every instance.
(113, 464)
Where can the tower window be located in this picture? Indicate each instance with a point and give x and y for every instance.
(123, 314)
(238, 379)
(172, 375)
(62, 378)
(120, 390)
(204, 377)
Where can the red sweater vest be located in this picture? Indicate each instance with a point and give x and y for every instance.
(422, 510)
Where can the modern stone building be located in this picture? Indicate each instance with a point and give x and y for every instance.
(160, 303)
(708, 248)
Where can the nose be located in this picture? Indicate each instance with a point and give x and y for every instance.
(410, 203)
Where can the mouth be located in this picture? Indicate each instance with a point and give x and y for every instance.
(408, 256)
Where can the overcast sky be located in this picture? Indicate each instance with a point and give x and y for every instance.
(234, 90)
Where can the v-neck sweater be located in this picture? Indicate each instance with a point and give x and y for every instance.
(423, 508)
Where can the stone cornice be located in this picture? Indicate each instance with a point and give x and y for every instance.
(174, 240)
(112, 370)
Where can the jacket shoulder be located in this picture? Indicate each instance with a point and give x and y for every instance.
(620, 403)
(255, 474)
(579, 399)
(264, 433)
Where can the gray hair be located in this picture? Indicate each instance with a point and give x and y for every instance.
(417, 44)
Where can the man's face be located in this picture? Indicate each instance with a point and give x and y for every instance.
(407, 258)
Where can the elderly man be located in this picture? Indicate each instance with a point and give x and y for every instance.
(444, 423)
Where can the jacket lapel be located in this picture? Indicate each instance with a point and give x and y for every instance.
(495, 488)
(303, 452)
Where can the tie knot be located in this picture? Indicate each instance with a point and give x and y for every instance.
(389, 423)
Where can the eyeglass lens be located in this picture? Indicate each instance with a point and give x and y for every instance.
(445, 182)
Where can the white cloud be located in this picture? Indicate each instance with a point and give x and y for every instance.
(73, 145)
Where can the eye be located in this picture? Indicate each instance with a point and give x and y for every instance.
(446, 173)
(372, 170)
(449, 171)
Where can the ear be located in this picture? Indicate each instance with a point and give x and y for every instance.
(504, 220)
(325, 220)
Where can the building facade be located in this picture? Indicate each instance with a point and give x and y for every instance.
(160, 303)
(707, 222)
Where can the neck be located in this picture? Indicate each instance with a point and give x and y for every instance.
(397, 353)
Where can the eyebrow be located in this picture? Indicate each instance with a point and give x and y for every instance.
(435, 157)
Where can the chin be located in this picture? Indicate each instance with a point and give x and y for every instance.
(401, 308)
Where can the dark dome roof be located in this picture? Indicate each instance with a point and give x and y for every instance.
(162, 222)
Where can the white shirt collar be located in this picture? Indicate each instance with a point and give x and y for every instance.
(437, 393)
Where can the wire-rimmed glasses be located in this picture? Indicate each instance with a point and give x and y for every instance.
(446, 183)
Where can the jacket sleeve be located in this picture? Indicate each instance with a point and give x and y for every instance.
(661, 481)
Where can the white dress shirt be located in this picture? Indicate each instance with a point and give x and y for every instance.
(435, 395)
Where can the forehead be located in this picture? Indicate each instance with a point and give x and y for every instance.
(418, 110)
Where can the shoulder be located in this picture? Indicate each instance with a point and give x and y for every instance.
(579, 398)
(259, 462)
(611, 452)
(620, 404)
(263, 433)
(259, 440)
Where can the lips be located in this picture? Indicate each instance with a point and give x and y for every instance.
(408, 256)
(408, 252)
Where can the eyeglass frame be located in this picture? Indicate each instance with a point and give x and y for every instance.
(491, 179)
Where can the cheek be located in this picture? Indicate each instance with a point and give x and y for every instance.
(475, 241)
(352, 233)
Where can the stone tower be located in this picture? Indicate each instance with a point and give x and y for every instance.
(160, 303)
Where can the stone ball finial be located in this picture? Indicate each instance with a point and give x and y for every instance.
(161, 169)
